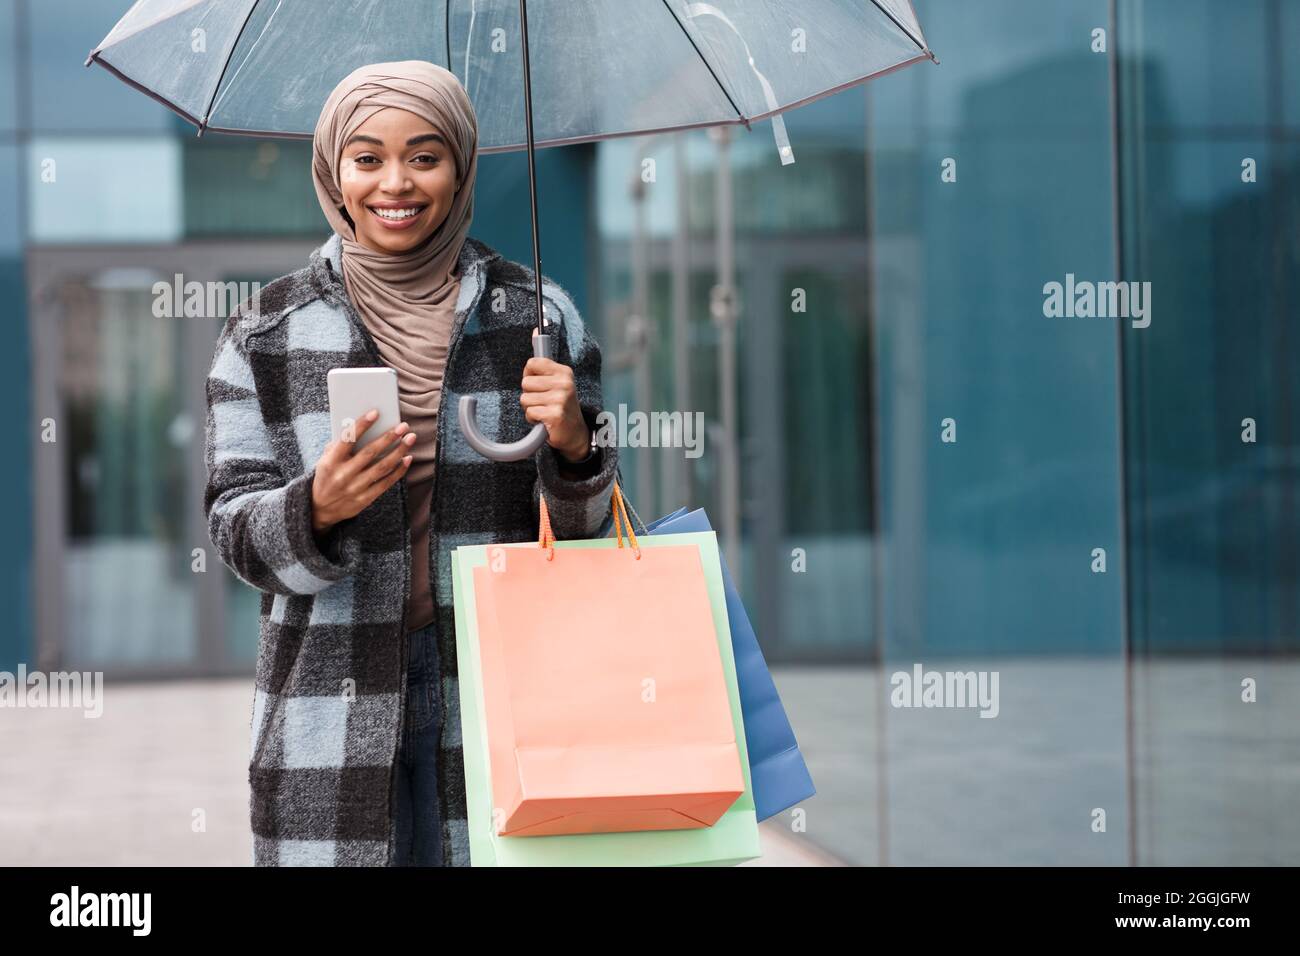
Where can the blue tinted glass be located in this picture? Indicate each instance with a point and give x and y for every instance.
(1205, 62)
(1286, 76)
(102, 190)
(1211, 396)
(10, 238)
(68, 96)
(16, 389)
(8, 69)
(998, 455)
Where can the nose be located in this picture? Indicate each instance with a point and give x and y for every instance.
(395, 178)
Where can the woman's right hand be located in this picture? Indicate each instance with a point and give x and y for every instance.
(346, 483)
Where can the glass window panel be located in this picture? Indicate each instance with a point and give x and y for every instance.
(1285, 78)
(10, 238)
(988, 538)
(1213, 521)
(105, 189)
(1204, 63)
(66, 96)
(8, 69)
(243, 187)
(16, 392)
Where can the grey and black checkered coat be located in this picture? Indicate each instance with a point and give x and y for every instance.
(330, 679)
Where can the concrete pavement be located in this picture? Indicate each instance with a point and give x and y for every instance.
(160, 779)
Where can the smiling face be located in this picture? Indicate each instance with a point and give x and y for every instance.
(398, 178)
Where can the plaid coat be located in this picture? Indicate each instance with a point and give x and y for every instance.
(330, 680)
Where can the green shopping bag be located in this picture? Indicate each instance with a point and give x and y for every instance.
(732, 839)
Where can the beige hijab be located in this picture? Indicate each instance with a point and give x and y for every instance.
(407, 301)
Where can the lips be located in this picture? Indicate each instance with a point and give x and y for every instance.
(399, 215)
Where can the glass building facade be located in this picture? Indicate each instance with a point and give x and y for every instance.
(978, 485)
(934, 469)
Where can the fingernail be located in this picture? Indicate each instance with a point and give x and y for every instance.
(372, 414)
(409, 439)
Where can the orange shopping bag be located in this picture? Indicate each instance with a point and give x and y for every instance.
(604, 693)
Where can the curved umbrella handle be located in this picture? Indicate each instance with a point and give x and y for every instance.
(503, 451)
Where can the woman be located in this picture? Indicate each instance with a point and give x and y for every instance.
(355, 735)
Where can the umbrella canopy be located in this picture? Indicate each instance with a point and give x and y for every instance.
(601, 68)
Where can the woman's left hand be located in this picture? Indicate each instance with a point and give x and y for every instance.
(551, 397)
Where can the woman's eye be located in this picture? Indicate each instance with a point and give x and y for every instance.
(369, 160)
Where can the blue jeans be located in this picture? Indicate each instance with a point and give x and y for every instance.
(419, 833)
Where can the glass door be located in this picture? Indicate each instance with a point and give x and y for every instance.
(127, 578)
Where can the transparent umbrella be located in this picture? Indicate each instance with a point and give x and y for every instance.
(599, 68)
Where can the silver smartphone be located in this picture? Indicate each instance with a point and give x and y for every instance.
(353, 392)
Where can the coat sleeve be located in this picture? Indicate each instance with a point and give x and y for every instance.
(259, 520)
(578, 496)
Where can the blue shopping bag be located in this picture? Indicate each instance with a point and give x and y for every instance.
(776, 767)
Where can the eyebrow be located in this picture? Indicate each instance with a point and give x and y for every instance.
(413, 141)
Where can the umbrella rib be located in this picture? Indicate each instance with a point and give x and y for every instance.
(135, 84)
(707, 64)
(906, 32)
(541, 144)
(225, 66)
(831, 91)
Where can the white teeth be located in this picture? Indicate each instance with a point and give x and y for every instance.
(399, 213)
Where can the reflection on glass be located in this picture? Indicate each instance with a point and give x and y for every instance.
(1212, 445)
(999, 456)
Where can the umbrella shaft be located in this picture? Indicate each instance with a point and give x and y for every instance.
(532, 172)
